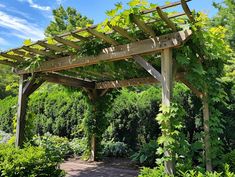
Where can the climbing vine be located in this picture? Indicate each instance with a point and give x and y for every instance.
(202, 59)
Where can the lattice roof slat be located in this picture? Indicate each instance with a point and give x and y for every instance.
(66, 59)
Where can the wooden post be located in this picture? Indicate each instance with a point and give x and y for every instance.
(21, 113)
(24, 91)
(166, 71)
(93, 95)
(207, 132)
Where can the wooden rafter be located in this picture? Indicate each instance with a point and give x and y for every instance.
(13, 57)
(141, 25)
(187, 10)
(79, 37)
(168, 5)
(51, 46)
(117, 53)
(67, 42)
(6, 62)
(40, 52)
(165, 18)
(24, 54)
(122, 32)
(102, 36)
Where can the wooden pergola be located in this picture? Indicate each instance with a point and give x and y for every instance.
(61, 63)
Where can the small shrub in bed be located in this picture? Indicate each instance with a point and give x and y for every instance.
(28, 162)
(115, 149)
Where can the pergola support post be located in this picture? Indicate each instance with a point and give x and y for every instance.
(25, 89)
(207, 144)
(167, 87)
(93, 97)
(21, 113)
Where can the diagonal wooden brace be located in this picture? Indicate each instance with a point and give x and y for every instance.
(148, 67)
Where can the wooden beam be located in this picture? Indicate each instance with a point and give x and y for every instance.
(165, 18)
(13, 57)
(120, 52)
(67, 81)
(142, 26)
(148, 67)
(40, 52)
(167, 87)
(187, 10)
(102, 36)
(126, 83)
(122, 32)
(79, 37)
(6, 62)
(24, 54)
(168, 5)
(67, 42)
(132, 82)
(51, 46)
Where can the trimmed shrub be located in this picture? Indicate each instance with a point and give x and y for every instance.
(28, 162)
(55, 146)
(115, 149)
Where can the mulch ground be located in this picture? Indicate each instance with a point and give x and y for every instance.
(107, 168)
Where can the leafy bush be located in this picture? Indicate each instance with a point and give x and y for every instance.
(28, 162)
(115, 149)
(58, 110)
(146, 155)
(55, 146)
(159, 172)
(78, 146)
(8, 107)
(156, 172)
(229, 159)
(133, 113)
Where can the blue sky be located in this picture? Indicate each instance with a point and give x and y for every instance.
(27, 19)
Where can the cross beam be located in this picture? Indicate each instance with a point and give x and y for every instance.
(120, 52)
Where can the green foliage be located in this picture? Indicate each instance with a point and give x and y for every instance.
(28, 162)
(66, 20)
(115, 149)
(78, 146)
(146, 156)
(148, 172)
(55, 146)
(133, 113)
(225, 18)
(159, 171)
(9, 82)
(171, 122)
(58, 110)
(7, 113)
(229, 159)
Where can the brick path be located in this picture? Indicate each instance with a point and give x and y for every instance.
(114, 168)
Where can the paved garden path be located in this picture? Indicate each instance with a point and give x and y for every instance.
(110, 168)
